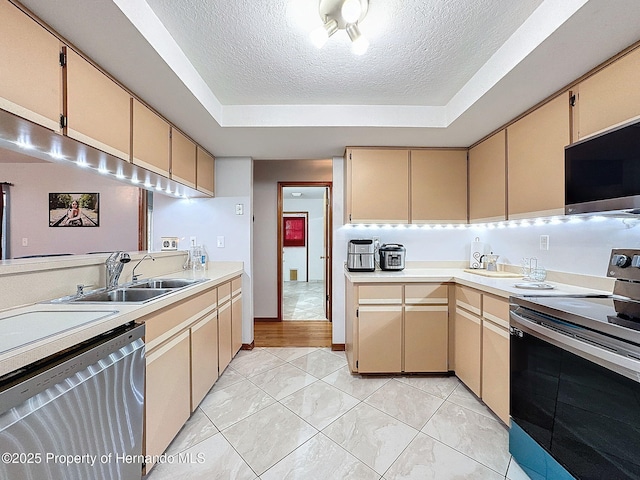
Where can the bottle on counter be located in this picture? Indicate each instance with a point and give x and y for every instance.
(204, 257)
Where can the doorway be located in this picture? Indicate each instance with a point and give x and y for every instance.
(304, 251)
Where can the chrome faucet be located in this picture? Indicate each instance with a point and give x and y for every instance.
(133, 273)
(115, 264)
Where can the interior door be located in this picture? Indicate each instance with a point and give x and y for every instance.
(327, 257)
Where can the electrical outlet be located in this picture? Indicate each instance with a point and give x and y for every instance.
(220, 241)
(239, 209)
(544, 242)
(25, 242)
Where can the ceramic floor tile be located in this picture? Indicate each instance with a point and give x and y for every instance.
(319, 363)
(355, 385)
(229, 405)
(258, 362)
(428, 459)
(515, 472)
(438, 385)
(228, 377)
(372, 436)
(320, 458)
(212, 459)
(465, 398)
(290, 353)
(482, 438)
(320, 404)
(198, 428)
(282, 381)
(265, 438)
(408, 404)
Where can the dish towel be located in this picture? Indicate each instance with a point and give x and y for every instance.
(477, 250)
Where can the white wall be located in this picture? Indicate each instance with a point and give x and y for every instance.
(29, 210)
(266, 175)
(212, 217)
(296, 257)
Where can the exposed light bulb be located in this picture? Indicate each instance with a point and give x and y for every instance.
(320, 35)
(360, 46)
(351, 11)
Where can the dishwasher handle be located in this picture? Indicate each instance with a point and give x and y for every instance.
(622, 361)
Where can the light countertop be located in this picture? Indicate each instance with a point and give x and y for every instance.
(72, 323)
(503, 287)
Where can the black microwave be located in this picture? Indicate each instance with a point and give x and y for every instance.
(602, 173)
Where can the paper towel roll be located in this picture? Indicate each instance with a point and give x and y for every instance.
(477, 250)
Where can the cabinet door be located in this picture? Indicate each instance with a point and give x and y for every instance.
(378, 186)
(536, 160)
(183, 159)
(204, 357)
(236, 323)
(380, 339)
(98, 109)
(205, 164)
(438, 186)
(224, 336)
(495, 369)
(487, 180)
(167, 400)
(31, 79)
(150, 140)
(426, 337)
(609, 97)
(467, 349)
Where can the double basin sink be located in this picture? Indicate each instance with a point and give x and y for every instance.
(134, 292)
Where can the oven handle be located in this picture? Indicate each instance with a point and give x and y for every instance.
(626, 366)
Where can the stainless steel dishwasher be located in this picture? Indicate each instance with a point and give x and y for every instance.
(77, 415)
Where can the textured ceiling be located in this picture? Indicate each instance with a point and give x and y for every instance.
(242, 78)
(258, 52)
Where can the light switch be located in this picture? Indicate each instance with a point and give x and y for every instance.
(220, 241)
(25, 242)
(239, 209)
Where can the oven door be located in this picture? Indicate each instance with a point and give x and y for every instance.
(576, 396)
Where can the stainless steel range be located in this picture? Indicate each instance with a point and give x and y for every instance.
(575, 380)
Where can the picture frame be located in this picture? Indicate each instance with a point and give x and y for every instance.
(74, 209)
(294, 230)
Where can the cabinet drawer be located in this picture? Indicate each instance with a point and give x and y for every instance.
(496, 310)
(236, 286)
(380, 294)
(432, 293)
(469, 299)
(161, 326)
(224, 293)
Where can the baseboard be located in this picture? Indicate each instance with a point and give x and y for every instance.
(266, 319)
(248, 346)
(337, 347)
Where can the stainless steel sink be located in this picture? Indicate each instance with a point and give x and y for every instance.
(123, 295)
(164, 283)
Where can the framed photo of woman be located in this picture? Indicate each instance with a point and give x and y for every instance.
(74, 210)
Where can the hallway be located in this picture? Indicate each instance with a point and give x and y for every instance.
(303, 300)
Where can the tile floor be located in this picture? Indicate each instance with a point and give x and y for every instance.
(297, 413)
(303, 301)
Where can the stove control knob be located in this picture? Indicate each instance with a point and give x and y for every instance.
(621, 261)
(635, 262)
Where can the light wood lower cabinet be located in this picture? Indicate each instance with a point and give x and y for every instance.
(224, 336)
(495, 355)
(236, 315)
(380, 339)
(167, 404)
(204, 357)
(468, 349)
(397, 328)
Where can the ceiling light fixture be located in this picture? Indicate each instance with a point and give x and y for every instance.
(345, 15)
(296, 194)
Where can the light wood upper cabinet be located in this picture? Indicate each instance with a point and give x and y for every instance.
(536, 160)
(183, 159)
(487, 180)
(438, 186)
(609, 97)
(151, 134)
(205, 180)
(377, 186)
(98, 109)
(31, 78)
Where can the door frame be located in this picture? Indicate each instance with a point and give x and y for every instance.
(328, 247)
